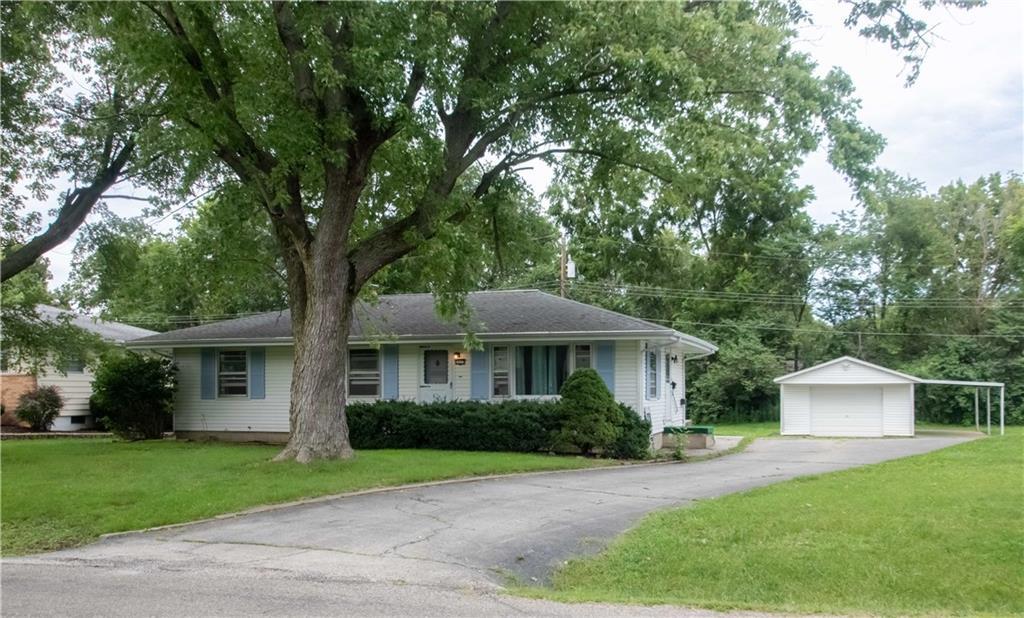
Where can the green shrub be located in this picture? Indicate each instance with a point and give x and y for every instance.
(133, 395)
(39, 407)
(524, 426)
(737, 385)
(520, 426)
(634, 441)
(591, 418)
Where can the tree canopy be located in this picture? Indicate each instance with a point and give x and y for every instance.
(356, 135)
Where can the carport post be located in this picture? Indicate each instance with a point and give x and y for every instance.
(988, 406)
(977, 420)
(1002, 410)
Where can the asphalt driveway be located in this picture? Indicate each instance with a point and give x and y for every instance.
(439, 550)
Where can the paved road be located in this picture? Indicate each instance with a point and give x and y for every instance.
(440, 550)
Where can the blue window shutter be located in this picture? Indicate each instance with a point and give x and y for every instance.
(257, 373)
(480, 373)
(207, 373)
(605, 363)
(389, 372)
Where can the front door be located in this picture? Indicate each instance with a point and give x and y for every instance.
(436, 379)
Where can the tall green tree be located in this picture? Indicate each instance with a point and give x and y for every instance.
(364, 130)
(222, 261)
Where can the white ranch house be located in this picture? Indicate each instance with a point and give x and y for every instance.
(73, 380)
(234, 376)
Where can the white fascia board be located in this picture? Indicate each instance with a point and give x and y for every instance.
(964, 383)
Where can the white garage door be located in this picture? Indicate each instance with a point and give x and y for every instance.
(846, 410)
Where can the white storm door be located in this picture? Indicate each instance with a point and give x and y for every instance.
(435, 376)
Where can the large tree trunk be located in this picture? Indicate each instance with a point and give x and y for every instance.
(319, 429)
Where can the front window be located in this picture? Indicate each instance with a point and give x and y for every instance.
(541, 369)
(233, 373)
(668, 373)
(582, 357)
(363, 373)
(652, 375)
(74, 365)
(499, 373)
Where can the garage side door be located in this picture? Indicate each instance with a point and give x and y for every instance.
(854, 411)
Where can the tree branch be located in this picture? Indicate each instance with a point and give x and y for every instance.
(77, 205)
(302, 71)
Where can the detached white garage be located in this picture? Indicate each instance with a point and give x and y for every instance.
(847, 397)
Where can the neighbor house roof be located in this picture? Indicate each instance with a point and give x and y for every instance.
(493, 315)
(110, 331)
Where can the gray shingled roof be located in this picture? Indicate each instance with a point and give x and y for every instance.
(110, 331)
(412, 316)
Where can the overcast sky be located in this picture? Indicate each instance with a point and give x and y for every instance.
(963, 118)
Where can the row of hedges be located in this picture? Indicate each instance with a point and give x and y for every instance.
(518, 426)
(586, 418)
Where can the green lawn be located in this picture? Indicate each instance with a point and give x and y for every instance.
(748, 430)
(59, 493)
(936, 534)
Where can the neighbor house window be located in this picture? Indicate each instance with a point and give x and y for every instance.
(233, 373)
(541, 369)
(78, 420)
(652, 374)
(74, 365)
(499, 371)
(582, 357)
(364, 373)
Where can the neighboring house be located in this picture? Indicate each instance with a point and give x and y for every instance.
(234, 376)
(74, 381)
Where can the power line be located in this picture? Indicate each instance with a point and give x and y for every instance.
(767, 298)
(828, 332)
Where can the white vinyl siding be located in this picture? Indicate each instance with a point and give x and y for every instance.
(898, 410)
(75, 388)
(628, 374)
(270, 414)
(796, 410)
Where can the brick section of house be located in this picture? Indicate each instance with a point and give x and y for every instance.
(13, 387)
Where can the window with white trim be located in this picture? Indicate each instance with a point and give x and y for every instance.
(364, 373)
(652, 374)
(581, 356)
(668, 370)
(233, 373)
(499, 371)
(541, 369)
